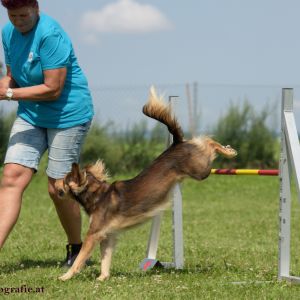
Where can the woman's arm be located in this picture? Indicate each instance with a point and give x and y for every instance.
(50, 90)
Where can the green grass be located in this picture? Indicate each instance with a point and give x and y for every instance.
(230, 235)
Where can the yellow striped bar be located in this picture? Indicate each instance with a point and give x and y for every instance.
(273, 172)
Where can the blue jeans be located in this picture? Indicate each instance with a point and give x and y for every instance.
(27, 144)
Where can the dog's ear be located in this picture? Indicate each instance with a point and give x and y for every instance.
(98, 170)
(76, 174)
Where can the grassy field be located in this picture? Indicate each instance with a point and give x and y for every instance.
(230, 237)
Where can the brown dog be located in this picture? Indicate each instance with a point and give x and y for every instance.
(122, 204)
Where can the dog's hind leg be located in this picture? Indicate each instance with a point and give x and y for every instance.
(107, 248)
(85, 252)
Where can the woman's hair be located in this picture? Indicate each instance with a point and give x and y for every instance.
(14, 4)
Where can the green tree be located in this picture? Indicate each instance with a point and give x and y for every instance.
(123, 151)
(6, 122)
(140, 146)
(101, 143)
(1, 69)
(247, 131)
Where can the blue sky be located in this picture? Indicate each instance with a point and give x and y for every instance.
(233, 43)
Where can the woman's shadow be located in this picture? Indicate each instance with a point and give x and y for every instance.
(26, 264)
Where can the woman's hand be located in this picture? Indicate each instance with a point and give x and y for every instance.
(50, 90)
(6, 82)
(3, 93)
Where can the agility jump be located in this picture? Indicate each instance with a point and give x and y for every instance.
(289, 164)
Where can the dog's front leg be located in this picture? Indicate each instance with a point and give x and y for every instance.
(227, 151)
(85, 252)
(107, 247)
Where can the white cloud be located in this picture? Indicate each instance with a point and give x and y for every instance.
(124, 16)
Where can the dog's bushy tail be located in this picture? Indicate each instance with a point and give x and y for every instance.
(156, 109)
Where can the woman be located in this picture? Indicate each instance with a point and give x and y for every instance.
(54, 113)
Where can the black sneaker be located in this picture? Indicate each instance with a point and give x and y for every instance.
(72, 252)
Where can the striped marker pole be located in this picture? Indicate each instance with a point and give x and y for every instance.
(245, 172)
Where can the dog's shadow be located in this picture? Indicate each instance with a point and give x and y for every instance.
(91, 274)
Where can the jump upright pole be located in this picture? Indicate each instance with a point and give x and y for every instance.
(289, 170)
(151, 260)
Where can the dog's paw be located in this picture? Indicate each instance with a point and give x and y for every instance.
(65, 277)
(102, 277)
(229, 151)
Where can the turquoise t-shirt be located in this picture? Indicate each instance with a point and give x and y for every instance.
(47, 47)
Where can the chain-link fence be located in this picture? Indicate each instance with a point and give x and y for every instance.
(197, 106)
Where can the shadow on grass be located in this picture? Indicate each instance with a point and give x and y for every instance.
(25, 264)
(161, 270)
(92, 273)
